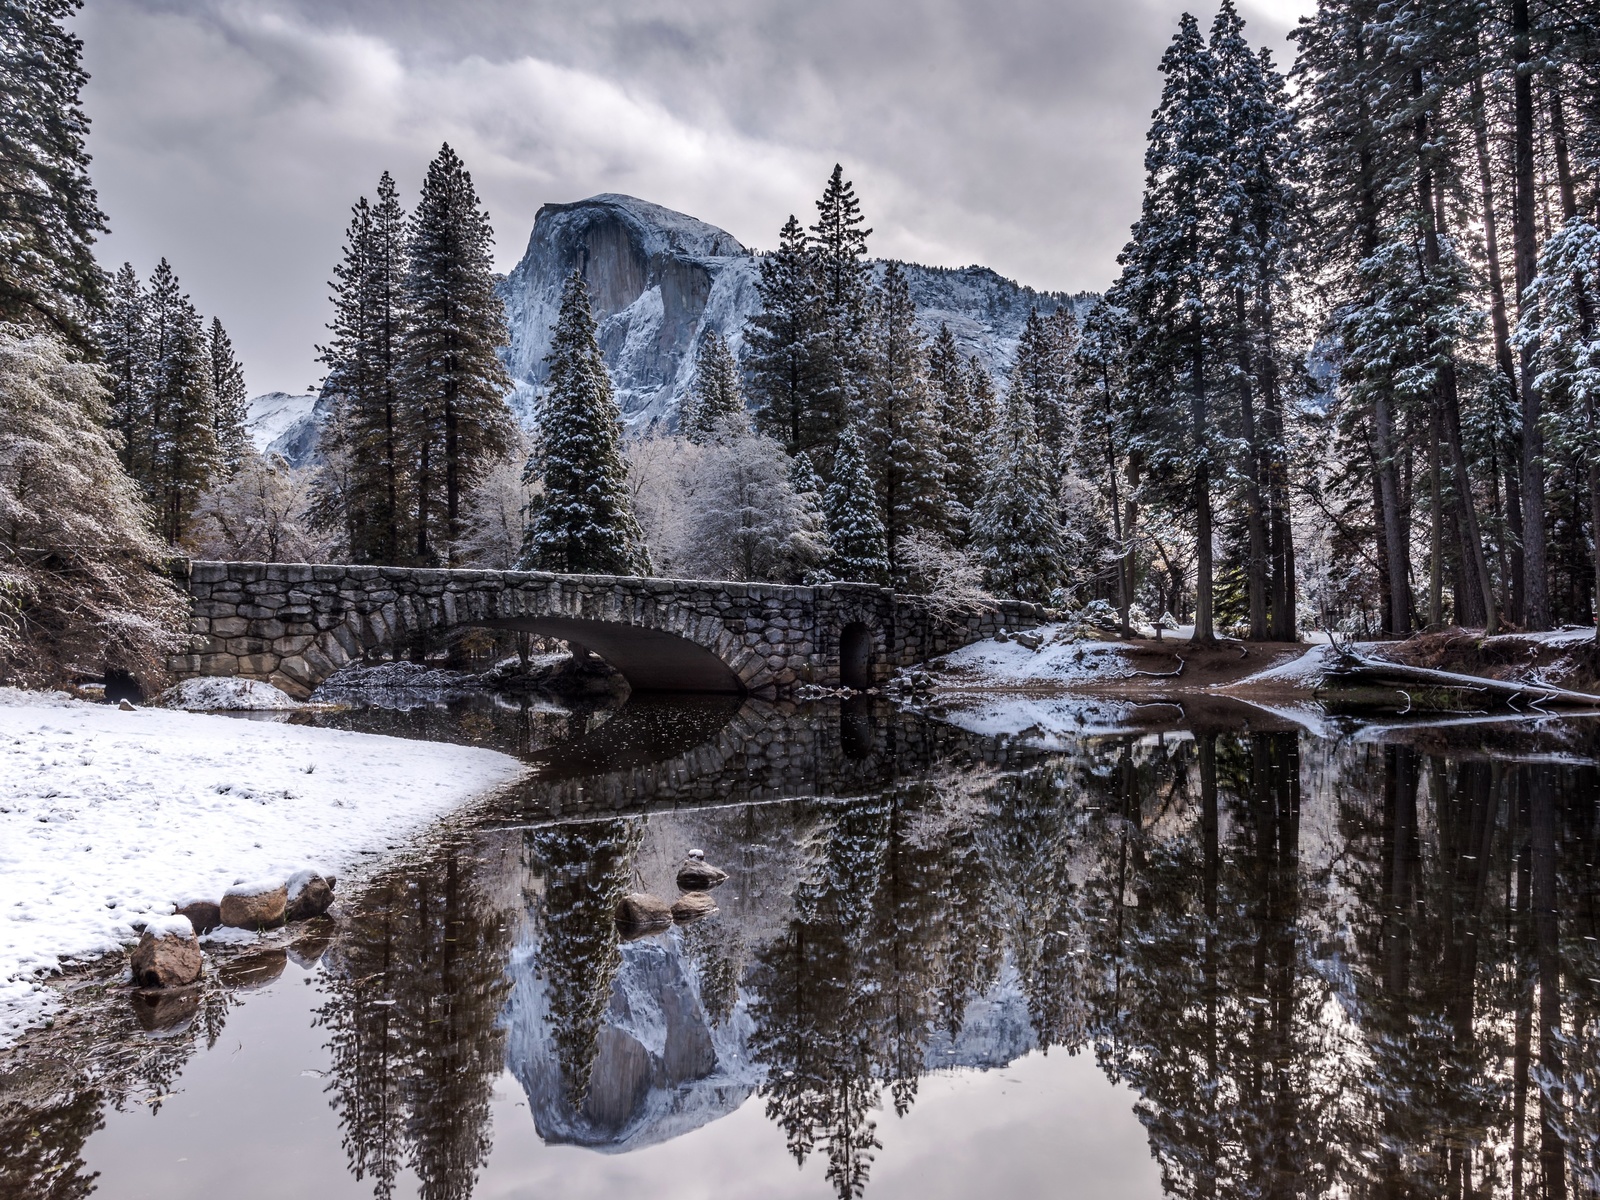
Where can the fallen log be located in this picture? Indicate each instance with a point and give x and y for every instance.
(1353, 665)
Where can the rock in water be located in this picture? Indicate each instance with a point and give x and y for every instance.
(258, 905)
(204, 915)
(691, 906)
(696, 875)
(309, 894)
(168, 954)
(639, 913)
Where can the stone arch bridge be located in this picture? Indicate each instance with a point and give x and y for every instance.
(294, 625)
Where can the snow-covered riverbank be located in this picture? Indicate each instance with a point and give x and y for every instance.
(109, 816)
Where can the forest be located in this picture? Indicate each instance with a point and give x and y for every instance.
(1346, 378)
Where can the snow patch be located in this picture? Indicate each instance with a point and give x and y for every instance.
(1309, 670)
(1058, 660)
(174, 926)
(106, 817)
(226, 695)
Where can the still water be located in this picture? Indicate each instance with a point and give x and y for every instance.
(1222, 958)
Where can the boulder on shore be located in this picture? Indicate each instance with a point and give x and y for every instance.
(639, 913)
(697, 875)
(204, 915)
(307, 894)
(691, 906)
(168, 954)
(258, 905)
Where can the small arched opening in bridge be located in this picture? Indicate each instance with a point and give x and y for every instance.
(855, 656)
(649, 659)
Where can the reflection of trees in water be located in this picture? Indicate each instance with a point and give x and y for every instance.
(41, 1147)
(414, 993)
(586, 868)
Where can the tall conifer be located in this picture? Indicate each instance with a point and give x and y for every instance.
(1016, 528)
(180, 411)
(786, 347)
(122, 334)
(231, 397)
(855, 530)
(583, 519)
(458, 421)
(714, 405)
(48, 212)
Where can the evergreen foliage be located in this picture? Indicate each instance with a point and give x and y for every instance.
(582, 519)
(48, 212)
(368, 490)
(962, 428)
(714, 406)
(901, 427)
(1016, 528)
(786, 355)
(860, 552)
(457, 420)
(232, 399)
(179, 433)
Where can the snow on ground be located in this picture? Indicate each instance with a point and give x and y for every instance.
(226, 694)
(108, 817)
(1306, 671)
(1058, 660)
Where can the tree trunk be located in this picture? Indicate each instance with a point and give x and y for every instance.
(1536, 598)
(1204, 632)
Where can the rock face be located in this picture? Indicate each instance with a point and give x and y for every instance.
(659, 279)
(287, 426)
(168, 955)
(254, 905)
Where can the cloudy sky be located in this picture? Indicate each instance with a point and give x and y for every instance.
(232, 136)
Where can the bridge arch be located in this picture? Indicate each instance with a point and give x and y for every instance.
(294, 625)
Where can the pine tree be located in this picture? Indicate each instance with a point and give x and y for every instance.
(901, 430)
(1559, 320)
(961, 428)
(48, 212)
(458, 423)
(181, 407)
(121, 332)
(855, 530)
(714, 405)
(583, 519)
(366, 489)
(839, 245)
(786, 357)
(1168, 268)
(1041, 373)
(232, 400)
(1016, 529)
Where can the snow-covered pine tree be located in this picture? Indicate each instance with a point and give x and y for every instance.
(1167, 288)
(714, 405)
(366, 489)
(457, 420)
(582, 518)
(786, 348)
(232, 399)
(960, 431)
(855, 530)
(1016, 529)
(1559, 321)
(985, 403)
(1101, 450)
(1039, 373)
(840, 247)
(121, 332)
(48, 213)
(180, 409)
(902, 433)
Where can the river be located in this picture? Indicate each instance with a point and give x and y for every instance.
(1224, 957)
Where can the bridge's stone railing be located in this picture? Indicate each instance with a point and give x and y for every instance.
(294, 625)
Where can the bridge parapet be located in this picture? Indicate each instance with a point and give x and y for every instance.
(294, 625)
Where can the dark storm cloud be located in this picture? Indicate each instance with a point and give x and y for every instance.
(232, 135)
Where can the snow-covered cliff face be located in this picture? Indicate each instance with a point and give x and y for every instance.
(285, 425)
(657, 279)
(660, 279)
